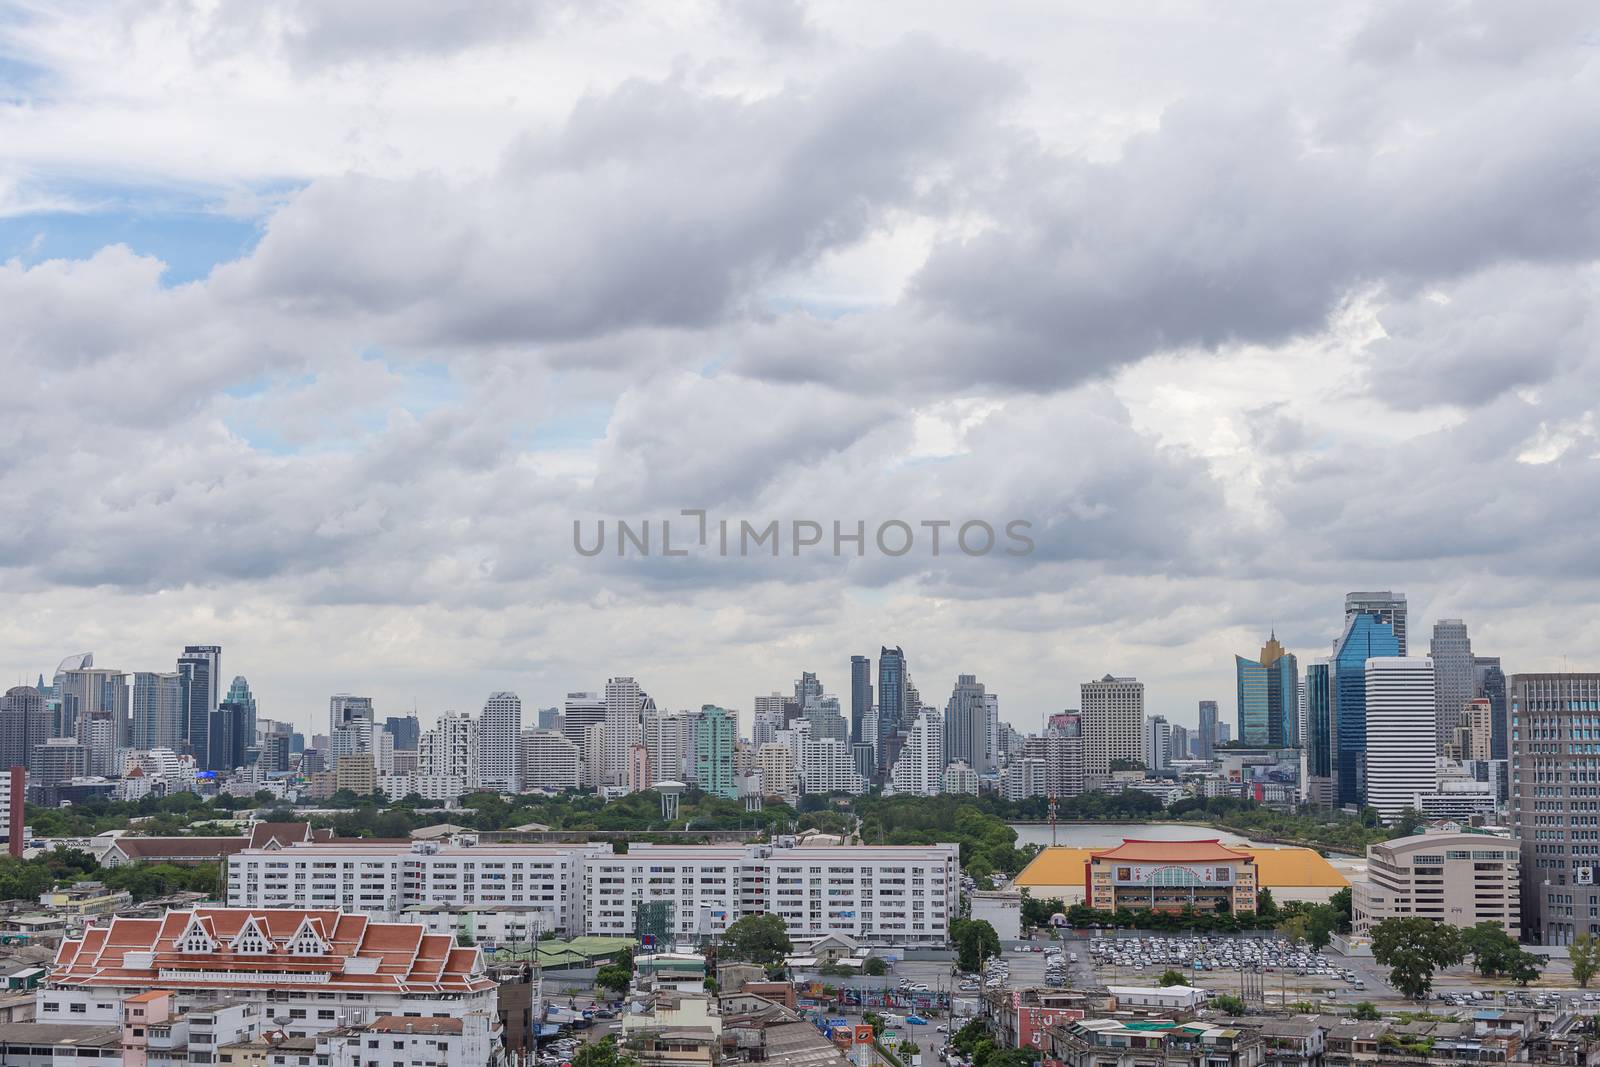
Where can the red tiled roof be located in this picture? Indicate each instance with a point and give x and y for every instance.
(170, 849)
(1136, 851)
(284, 834)
(407, 959)
(400, 1024)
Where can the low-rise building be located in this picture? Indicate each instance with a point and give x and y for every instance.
(1001, 909)
(399, 1041)
(1460, 879)
(1106, 1042)
(85, 899)
(316, 969)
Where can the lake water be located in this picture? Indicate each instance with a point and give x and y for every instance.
(1107, 834)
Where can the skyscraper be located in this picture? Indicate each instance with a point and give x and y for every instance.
(1320, 789)
(157, 703)
(1180, 741)
(199, 680)
(1205, 740)
(1401, 741)
(405, 730)
(450, 751)
(24, 723)
(89, 691)
(714, 734)
(1157, 743)
(1268, 697)
(966, 726)
(578, 713)
(1113, 725)
(1489, 682)
(1554, 723)
(1365, 636)
(350, 726)
(624, 726)
(499, 733)
(226, 736)
(239, 693)
(1453, 677)
(1388, 607)
(919, 769)
(891, 701)
(860, 696)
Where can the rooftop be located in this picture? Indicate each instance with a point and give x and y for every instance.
(1287, 866)
(1206, 851)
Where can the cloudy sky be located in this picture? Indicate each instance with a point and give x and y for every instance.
(320, 324)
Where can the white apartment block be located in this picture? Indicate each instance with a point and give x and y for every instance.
(889, 895)
(547, 760)
(427, 786)
(1112, 712)
(1401, 738)
(498, 732)
(828, 767)
(919, 769)
(624, 706)
(1024, 777)
(383, 880)
(668, 743)
(960, 778)
(450, 750)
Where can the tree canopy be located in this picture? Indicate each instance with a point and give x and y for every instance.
(1413, 948)
(762, 939)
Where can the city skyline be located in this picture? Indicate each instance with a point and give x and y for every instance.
(1181, 709)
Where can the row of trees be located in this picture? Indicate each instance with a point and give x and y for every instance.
(1414, 948)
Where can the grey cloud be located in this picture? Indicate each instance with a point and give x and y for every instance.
(654, 205)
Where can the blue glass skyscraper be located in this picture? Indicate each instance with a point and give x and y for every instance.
(1365, 636)
(891, 700)
(1319, 722)
(1269, 697)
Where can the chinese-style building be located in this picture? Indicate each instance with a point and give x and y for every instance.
(1171, 876)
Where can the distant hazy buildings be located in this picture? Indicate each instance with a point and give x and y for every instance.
(1157, 743)
(1365, 636)
(1489, 682)
(1454, 672)
(966, 726)
(860, 696)
(1389, 607)
(157, 707)
(1401, 742)
(1268, 697)
(1205, 738)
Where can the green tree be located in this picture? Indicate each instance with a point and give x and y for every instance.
(1228, 1004)
(875, 967)
(1412, 949)
(603, 1053)
(1320, 925)
(1296, 927)
(1524, 967)
(1266, 907)
(760, 939)
(1493, 951)
(1366, 1011)
(975, 942)
(1585, 955)
(1038, 912)
(1173, 977)
(464, 939)
(614, 979)
(1342, 906)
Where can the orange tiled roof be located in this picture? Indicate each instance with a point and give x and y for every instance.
(1136, 851)
(407, 959)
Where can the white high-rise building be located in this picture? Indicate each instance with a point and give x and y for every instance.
(1157, 743)
(1025, 777)
(827, 766)
(959, 778)
(919, 770)
(157, 703)
(1112, 712)
(1401, 743)
(450, 751)
(498, 732)
(668, 744)
(581, 711)
(624, 726)
(991, 710)
(547, 760)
